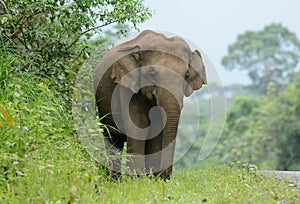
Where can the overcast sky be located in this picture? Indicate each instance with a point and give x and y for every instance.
(214, 24)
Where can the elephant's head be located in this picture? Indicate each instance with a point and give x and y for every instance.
(196, 73)
(154, 64)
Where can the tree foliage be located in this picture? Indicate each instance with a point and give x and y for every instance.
(269, 55)
(284, 125)
(50, 37)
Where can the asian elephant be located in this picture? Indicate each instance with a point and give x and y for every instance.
(139, 87)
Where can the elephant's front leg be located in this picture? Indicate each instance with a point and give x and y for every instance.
(154, 143)
(114, 143)
(135, 156)
(136, 140)
(135, 119)
(154, 154)
(172, 109)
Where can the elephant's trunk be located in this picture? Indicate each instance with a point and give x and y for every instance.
(172, 109)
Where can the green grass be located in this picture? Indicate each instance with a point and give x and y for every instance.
(74, 179)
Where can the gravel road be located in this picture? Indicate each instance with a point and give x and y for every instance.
(294, 176)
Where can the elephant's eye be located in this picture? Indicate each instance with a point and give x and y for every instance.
(187, 74)
(153, 75)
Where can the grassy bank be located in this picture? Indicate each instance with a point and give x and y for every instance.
(78, 181)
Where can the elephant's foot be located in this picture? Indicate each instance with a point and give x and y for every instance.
(110, 174)
(166, 174)
(114, 175)
(136, 165)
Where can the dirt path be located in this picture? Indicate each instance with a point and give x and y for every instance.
(294, 176)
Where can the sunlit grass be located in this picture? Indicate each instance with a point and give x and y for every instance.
(80, 181)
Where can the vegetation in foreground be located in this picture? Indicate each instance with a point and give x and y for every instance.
(79, 181)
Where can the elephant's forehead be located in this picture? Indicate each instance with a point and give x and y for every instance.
(175, 46)
(154, 57)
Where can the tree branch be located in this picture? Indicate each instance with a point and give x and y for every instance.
(88, 30)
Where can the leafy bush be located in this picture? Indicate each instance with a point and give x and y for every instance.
(50, 38)
(32, 115)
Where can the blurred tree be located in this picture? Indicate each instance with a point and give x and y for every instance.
(269, 55)
(242, 107)
(234, 90)
(265, 131)
(238, 139)
(284, 125)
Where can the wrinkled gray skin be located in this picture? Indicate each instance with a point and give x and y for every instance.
(158, 62)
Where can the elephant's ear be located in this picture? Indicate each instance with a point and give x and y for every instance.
(129, 61)
(133, 48)
(196, 75)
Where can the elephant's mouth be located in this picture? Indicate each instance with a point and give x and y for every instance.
(153, 93)
(149, 92)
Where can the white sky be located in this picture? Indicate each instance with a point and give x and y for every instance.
(214, 24)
